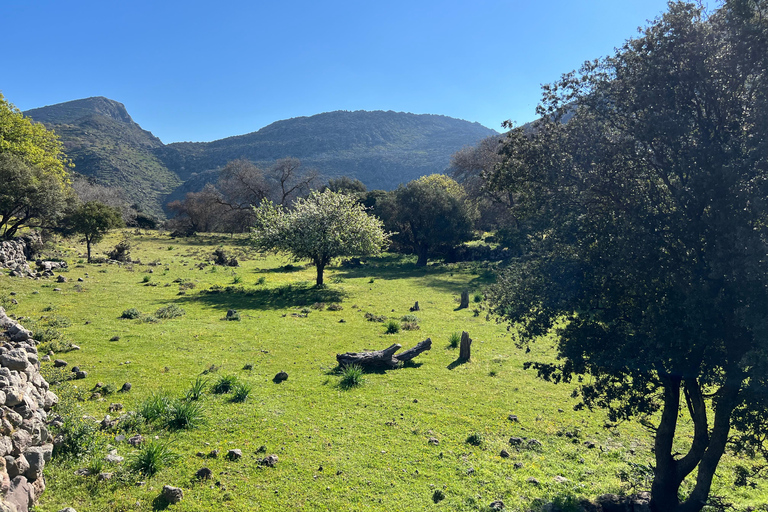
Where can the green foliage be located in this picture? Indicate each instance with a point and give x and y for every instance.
(146, 279)
(154, 408)
(183, 415)
(438, 495)
(92, 220)
(392, 327)
(321, 227)
(152, 457)
(454, 340)
(169, 311)
(224, 384)
(475, 439)
(351, 376)
(131, 314)
(78, 437)
(240, 392)
(197, 390)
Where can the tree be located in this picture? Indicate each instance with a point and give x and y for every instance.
(93, 220)
(289, 181)
(33, 171)
(202, 211)
(647, 214)
(430, 214)
(321, 227)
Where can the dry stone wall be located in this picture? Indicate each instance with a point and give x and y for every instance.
(25, 400)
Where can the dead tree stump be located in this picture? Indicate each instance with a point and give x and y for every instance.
(385, 358)
(415, 307)
(464, 299)
(464, 348)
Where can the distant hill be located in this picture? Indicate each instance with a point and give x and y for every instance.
(381, 149)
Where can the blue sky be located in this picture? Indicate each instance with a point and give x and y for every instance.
(201, 71)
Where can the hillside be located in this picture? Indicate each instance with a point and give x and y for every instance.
(381, 149)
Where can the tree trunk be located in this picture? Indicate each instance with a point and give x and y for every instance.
(421, 251)
(465, 347)
(385, 358)
(320, 268)
(464, 300)
(88, 248)
(665, 482)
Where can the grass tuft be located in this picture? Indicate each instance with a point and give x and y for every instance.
(169, 311)
(454, 340)
(224, 384)
(197, 390)
(151, 458)
(131, 314)
(393, 327)
(351, 376)
(475, 439)
(240, 392)
(184, 415)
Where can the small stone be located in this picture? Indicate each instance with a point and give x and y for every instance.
(589, 444)
(280, 377)
(126, 387)
(496, 505)
(560, 479)
(68, 509)
(204, 474)
(114, 458)
(83, 472)
(504, 454)
(560, 410)
(515, 441)
(213, 454)
(75, 369)
(434, 441)
(269, 461)
(200, 454)
(513, 418)
(136, 440)
(172, 495)
(471, 471)
(61, 279)
(119, 438)
(518, 465)
(57, 289)
(114, 338)
(74, 347)
(114, 407)
(532, 480)
(534, 443)
(80, 279)
(46, 358)
(235, 454)
(104, 476)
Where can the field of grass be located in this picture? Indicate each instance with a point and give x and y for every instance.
(425, 436)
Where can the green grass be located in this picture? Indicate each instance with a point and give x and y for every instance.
(372, 441)
(351, 376)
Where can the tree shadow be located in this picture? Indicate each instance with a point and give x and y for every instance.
(160, 503)
(290, 295)
(458, 362)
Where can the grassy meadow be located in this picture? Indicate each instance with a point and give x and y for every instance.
(364, 447)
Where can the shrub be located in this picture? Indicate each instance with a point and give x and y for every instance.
(335, 307)
(46, 334)
(146, 278)
(393, 327)
(224, 384)
(184, 414)
(351, 376)
(454, 339)
(438, 496)
(478, 297)
(169, 311)
(475, 439)
(197, 390)
(318, 306)
(410, 318)
(121, 252)
(59, 322)
(131, 313)
(261, 280)
(240, 392)
(374, 318)
(152, 458)
(410, 326)
(78, 437)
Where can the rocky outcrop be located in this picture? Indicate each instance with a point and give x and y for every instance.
(25, 399)
(15, 255)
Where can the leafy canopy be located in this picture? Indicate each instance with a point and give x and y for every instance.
(321, 227)
(647, 213)
(93, 220)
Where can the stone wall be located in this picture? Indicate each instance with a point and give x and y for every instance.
(13, 255)
(25, 400)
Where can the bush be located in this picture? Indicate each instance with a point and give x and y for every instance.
(121, 252)
(454, 339)
(261, 280)
(78, 437)
(131, 313)
(224, 384)
(154, 408)
(240, 392)
(152, 458)
(146, 278)
(335, 307)
(197, 390)
(478, 297)
(184, 414)
(410, 318)
(351, 376)
(475, 439)
(393, 327)
(169, 311)
(374, 318)
(438, 496)
(410, 326)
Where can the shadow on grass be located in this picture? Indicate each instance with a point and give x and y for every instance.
(290, 295)
(160, 503)
(457, 363)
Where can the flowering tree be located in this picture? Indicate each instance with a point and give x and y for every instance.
(321, 227)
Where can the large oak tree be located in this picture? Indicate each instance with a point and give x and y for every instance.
(648, 221)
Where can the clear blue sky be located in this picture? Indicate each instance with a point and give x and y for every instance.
(192, 70)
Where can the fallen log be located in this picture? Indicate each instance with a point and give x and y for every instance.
(385, 358)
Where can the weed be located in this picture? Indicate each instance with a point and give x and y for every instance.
(410, 326)
(53, 375)
(371, 281)
(438, 496)
(183, 415)
(78, 437)
(351, 376)
(493, 373)
(169, 311)
(46, 334)
(237, 280)
(152, 458)
(131, 313)
(248, 366)
(454, 339)
(478, 297)
(335, 307)
(59, 322)
(475, 439)
(197, 390)
(318, 306)
(410, 318)
(240, 392)
(154, 408)
(261, 280)
(211, 369)
(305, 311)
(55, 346)
(146, 279)
(48, 308)
(224, 384)
(95, 464)
(393, 327)
(374, 318)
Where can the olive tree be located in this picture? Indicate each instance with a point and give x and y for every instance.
(648, 224)
(93, 220)
(321, 227)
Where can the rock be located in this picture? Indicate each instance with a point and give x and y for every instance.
(434, 441)
(280, 377)
(21, 494)
(560, 479)
(75, 369)
(518, 465)
(80, 279)
(68, 509)
(108, 423)
(231, 313)
(104, 476)
(172, 495)
(515, 441)
(83, 472)
(113, 457)
(589, 444)
(504, 454)
(46, 358)
(81, 374)
(269, 461)
(126, 387)
(513, 418)
(235, 454)
(496, 505)
(57, 289)
(136, 440)
(13, 397)
(61, 279)
(15, 359)
(114, 407)
(204, 474)
(213, 454)
(534, 443)
(533, 481)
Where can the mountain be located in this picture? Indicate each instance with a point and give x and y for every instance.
(381, 149)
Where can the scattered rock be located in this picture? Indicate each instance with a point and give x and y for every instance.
(83, 472)
(434, 441)
(114, 458)
(518, 465)
(280, 377)
(204, 474)
(235, 454)
(61, 279)
(126, 387)
(471, 471)
(515, 441)
(75, 369)
(136, 440)
(114, 338)
(115, 407)
(214, 454)
(534, 443)
(560, 479)
(496, 505)
(172, 495)
(504, 454)
(80, 279)
(104, 476)
(108, 423)
(589, 444)
(513, 418)
(57, 289)
(68, 509)
(533, 481)
(269, 461)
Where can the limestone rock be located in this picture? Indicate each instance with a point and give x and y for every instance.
(172, 494)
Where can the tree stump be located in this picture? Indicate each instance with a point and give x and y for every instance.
(464, 299)
(385, 358)
(415, 307)
(464, 348)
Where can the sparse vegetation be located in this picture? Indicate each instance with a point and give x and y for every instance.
(131, 314)
(351, 376)
(224, 384)
(169, 311)
(152, 457)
